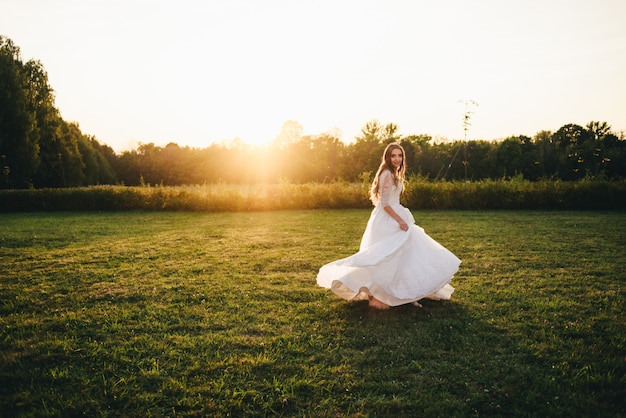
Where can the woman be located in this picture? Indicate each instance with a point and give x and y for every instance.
(397, 262)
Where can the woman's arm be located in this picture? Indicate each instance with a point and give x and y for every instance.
(403, 225)
(386, 183)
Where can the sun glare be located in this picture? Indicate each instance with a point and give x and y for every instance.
(197, 73)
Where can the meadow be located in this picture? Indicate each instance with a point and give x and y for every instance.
(218, 314)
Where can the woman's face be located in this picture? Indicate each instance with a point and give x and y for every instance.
(396, 157)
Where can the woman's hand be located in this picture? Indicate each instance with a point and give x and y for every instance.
(403, 225)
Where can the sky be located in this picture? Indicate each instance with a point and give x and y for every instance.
(197, 72)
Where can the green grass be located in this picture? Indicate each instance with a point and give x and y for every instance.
(196, 314)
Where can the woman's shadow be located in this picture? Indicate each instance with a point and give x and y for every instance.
(442, 359)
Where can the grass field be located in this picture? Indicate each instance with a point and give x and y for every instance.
(218, 314)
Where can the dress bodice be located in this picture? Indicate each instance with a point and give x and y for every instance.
(388, 192)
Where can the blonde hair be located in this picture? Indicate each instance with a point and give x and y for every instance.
(398, 174)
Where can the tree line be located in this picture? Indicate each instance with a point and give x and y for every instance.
(39, 149)
(571, 153)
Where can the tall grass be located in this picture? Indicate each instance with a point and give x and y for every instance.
(419, 194)
(516, 194)
(207, 198)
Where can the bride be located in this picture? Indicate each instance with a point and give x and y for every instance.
(397, 262)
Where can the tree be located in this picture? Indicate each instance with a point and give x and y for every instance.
(575, 145)
(71, 159)
(367, 150)
(98, 170)
(389, 134)
(50, 172)
(598, 130)
(509, 154)
(290, 133)
(529, 160)
(18, 140)
(477, 164)
(327, 151)
(547, 153)
(37, 147)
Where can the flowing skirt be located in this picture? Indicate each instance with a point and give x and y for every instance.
(394, 266)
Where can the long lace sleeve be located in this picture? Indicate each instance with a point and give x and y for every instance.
(385, 186)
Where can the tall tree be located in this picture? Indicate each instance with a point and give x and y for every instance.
(19, 148)
(367, 149)
(547, 153)
(597, 130)
(508, 163)
(290, 133)
(390, 133)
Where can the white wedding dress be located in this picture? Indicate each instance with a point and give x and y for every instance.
(393, 265)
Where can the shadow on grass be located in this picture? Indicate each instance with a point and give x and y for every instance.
(444, 360)
(316, 355)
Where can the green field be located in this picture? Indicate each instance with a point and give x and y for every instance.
(218, 314)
